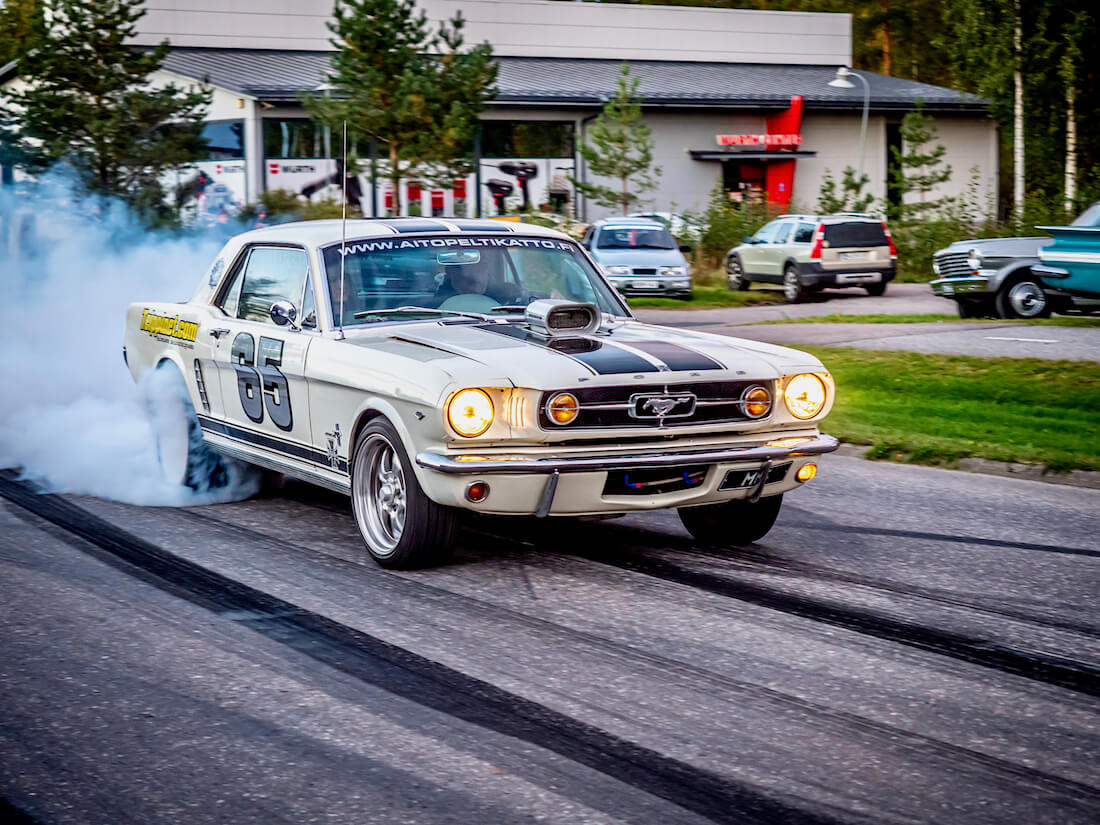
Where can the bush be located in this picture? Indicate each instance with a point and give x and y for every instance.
(283, 206)
(726, 226)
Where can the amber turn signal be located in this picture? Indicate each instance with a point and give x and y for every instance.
(806, 472)
(562, 408)
(757, 402)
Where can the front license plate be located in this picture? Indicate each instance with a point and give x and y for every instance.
(737, 479)
(855, 256)
(646, 285)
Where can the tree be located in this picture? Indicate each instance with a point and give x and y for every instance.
(621, 148)
(850, 198)
(417, 94)
(89, 103)
(20, 26)
(918, 166)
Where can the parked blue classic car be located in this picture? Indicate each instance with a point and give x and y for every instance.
(1071, 265)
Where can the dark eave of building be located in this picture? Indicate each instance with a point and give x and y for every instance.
(282, 76)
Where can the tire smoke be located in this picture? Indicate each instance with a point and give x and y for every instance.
(70, 415)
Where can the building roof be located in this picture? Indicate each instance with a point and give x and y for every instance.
(282, 75)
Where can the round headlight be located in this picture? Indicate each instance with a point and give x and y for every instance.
(804, 395)
(974, 259)
(936, 267)
(756, 402)
(562, 408)
(470, 412)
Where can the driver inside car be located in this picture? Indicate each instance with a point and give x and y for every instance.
(477, 286)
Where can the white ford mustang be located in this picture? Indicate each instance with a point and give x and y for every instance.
(426, 367)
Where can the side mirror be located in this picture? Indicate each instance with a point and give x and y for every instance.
(283, 313)
(685, 248)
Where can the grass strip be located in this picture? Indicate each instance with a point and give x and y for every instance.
(935, 409)
(927, 318)
(706, 296)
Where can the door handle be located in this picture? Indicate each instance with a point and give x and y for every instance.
(218, 333)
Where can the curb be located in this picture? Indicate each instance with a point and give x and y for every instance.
(1087, 479)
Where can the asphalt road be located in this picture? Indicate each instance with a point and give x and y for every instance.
(991, 339)
(908, 645)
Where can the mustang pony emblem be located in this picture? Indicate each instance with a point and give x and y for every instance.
(662, 405)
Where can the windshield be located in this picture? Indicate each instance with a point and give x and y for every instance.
(1090, 217)
(635, 237)
(491, 275)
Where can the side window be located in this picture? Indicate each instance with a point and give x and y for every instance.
(766, 234)
(307, 315)
(271, 274)
(586, 241)
(783, 232)
(804, 233)
(232, 297)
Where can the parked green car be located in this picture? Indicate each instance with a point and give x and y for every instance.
(807, 253)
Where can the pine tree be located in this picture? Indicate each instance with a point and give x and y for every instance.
(20, 27)
(89, 104)
(849, 198)
(621, 148)
(417, 94)
(919, 167)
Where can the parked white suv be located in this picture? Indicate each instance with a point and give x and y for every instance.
(806, 253)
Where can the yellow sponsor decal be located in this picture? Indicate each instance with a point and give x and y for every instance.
(171, 326)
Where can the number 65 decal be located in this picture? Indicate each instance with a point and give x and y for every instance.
(260, 376)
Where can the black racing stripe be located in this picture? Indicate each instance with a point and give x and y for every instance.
(270, 443)
(603, 358)
(677, 357)
(416, 226)
(483, 226)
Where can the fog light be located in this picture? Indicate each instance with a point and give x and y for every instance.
(806, 472)
(478, 491)
(562, 408)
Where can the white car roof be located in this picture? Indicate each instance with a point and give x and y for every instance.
(322, 233)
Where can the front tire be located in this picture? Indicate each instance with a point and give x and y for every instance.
(402, 528)
(1022, 297)
(793, 291)
(735, 522)
(735, 274)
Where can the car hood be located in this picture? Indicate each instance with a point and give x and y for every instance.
(636, 257)
(1006, 247)
(627, 352)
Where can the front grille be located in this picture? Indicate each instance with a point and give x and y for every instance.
(604, 407)
(638, 270)
(953, 265)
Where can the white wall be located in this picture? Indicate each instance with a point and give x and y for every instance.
(969, 142)
(835, 138)
(527, 28)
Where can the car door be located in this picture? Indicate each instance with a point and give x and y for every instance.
(752, 254)
(261, 365)
(774, 252)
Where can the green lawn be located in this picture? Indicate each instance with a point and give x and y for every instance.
(936, 409)
(1058, 320)
(711, 297)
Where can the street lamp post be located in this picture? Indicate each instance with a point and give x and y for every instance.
(841, 81)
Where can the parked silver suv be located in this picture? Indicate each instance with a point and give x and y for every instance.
(806, 253)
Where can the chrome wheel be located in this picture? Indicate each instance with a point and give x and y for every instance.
(380, 494)
(735, 276)
(1027, 299)
(792, 289)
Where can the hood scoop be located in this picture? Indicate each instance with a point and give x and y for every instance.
(562, 319)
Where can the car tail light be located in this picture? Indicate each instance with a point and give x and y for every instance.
(819, 238)
(890, 238)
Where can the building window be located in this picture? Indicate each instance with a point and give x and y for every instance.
(526, 139)
(297, 137)
(224, 139)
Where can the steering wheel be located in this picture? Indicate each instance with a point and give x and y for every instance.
(469, 302)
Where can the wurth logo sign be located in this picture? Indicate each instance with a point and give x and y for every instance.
(273, 168)
(759, 140)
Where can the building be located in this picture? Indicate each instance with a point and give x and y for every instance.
(733, 96)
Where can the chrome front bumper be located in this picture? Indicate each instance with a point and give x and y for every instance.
(519, 464)
(948, 287)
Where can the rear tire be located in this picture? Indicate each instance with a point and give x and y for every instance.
(183, 456)
(735, 274)
(1022, 296)
(793, 290)
(876, 290)
(402, 528)
(733, 522)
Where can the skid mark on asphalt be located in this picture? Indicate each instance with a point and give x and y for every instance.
(428, 683)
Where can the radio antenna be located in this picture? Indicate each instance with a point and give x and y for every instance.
(343, 225)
